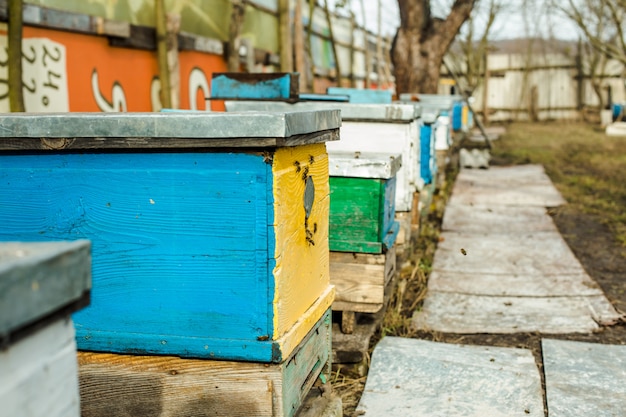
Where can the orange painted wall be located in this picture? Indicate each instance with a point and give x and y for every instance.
(122, 72)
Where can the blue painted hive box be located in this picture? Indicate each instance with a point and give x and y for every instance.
(209, 230)
(362, 201)
(428, 153)
(258, 86)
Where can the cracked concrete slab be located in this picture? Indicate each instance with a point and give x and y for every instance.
(514, 254)
(524, 185)
(410, 377)
(513, 285)
(496, 219)
(584, 379)
(449, 312)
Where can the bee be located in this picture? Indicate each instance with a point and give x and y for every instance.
(262, 338)
(464, 252)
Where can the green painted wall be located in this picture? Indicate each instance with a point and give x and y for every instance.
(208, 18)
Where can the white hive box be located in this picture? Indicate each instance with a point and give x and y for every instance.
(379, 128)
(40, 285)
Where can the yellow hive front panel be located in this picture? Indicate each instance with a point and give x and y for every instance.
(301, 209)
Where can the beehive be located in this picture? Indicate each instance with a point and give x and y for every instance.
(378, 128)
(40, 285)
(209, 231)
(362, 204)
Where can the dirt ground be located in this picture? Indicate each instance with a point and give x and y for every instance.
(589, 236)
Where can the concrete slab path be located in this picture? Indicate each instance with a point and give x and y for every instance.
(501, 265)
(410, 377)
(584, 379)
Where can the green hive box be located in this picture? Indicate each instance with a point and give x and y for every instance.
(362, 201)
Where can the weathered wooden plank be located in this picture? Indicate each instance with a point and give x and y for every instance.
(354, 347)
(192, 42)
(126, 143)
(39, 375)
(360, 280)
(34, 15)
(358, 95)
(121, 385)
(258, 86)
(38, 280)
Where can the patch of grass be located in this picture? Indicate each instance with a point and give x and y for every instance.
(586, 166)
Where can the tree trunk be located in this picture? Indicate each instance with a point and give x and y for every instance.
(16, 97)
(234, 30)
(421, 43)
(164, 68)
(286, 46)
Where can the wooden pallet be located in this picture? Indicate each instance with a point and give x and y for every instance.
(114, 385)
(360, 281)
(353, 348)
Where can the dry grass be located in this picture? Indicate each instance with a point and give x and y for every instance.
(586, 166)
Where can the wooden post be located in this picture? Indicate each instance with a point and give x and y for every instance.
(234, 29)
(173, 27)
(533, 107)
(379, 48)
(16, 97)
(298, 43)
(286, 49)
(352, 49)
(368, 58)
(580, 77)
(333, 44)
(164, 69)
(486, 91)
(311, 82)
(386, 59)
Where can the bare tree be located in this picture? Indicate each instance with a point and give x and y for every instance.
(468, 56)
(601, 21)
(422, 41)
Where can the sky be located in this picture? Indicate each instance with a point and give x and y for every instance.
(510, 23)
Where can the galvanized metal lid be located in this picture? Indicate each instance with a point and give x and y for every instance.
(389, 113)
(38, 280)
(227, 127)
(363, 164)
